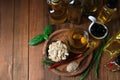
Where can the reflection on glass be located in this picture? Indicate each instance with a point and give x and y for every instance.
(78, 40)
(113, 45)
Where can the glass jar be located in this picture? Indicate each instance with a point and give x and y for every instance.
(77, 40)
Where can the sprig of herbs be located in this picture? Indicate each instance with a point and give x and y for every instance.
(42, 37)
(99, 52)
(47, 62)
(48, 30)
(96, 58)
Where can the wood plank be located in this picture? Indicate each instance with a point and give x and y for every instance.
(90, 76)
(49, 75)
(6, 38)
(38, 20)
(103, 72)
(20, 58)
(67, 78)
(36, 27)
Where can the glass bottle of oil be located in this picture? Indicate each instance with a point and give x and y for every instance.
(74, 11)
(113, 45)
(57, 11)
(107, 11)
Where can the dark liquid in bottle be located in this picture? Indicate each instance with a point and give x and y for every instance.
(98, 30)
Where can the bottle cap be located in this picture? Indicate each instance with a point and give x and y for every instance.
(55, 1)
(112, 3)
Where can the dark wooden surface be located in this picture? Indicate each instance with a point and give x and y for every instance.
(20, 21)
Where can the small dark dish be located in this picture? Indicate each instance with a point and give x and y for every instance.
(98, 31)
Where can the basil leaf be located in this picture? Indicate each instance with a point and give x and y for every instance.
(48, 30)
(47, 62)
(37, 39)
(46, 37)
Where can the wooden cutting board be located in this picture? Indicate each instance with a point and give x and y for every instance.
(61, 70)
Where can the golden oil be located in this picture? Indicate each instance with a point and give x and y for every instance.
(106, 14)
(113, 45)
(57, 11)
(77, 40)
(107, 11)
(74, 11)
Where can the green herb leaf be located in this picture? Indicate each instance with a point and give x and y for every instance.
(85, 73)
(99, 52)
(46, 37)
(37, 39)
(48, 62)
(48, 30)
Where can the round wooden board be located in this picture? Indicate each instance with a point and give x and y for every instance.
(61, 70)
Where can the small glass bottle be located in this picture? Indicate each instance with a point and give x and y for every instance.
(107, 11)
(74, 11)
(113, 49)
(113, 45)
(90, 7)
(57, 11)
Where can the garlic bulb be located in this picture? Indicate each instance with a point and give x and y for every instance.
(57, 51)
(72, 66)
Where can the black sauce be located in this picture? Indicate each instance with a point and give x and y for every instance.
(98, 30)
(117, 59)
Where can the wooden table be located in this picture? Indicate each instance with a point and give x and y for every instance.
(20, 21)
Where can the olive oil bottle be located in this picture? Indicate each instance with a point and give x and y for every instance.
(57, 11)
(113, 45)
(107, 11)
(74, 11)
